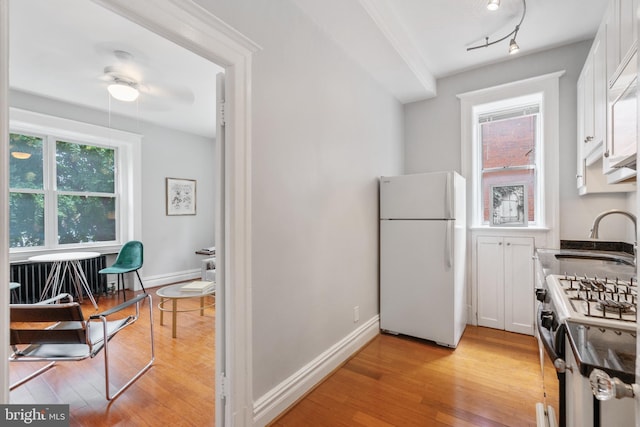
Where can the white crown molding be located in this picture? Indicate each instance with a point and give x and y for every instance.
(382, 46)
(383, 15)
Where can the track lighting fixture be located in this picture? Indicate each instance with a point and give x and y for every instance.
(513, 46)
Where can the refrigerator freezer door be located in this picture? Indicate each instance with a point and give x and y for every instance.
(420, 295)
(419, 196)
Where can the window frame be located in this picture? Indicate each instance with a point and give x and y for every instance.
(549, 86)
(127, 167)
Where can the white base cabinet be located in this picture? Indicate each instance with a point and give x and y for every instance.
(505, 283)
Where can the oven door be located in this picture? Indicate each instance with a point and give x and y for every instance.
(551, 411)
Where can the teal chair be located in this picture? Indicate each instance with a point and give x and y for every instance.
(129, 259)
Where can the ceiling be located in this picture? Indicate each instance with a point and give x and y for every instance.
(419, 41)
(59, 49)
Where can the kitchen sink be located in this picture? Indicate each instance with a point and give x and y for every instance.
(585, 263)
(596, 258)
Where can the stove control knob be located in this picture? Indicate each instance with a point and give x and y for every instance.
(547, 319)
(541, 294)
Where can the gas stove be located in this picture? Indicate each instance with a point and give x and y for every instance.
(585, 321)
(605, 302)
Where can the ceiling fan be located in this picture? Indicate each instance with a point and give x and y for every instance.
(124, 83)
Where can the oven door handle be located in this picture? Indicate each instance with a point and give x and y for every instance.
(544, 335)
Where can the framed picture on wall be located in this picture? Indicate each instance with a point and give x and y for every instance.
(509, 205)
(181, 196)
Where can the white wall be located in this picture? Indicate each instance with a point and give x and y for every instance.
(169, 242)
(323, 131)
(432, 131)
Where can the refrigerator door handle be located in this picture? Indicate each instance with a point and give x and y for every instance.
(448, 194)
(448, 245)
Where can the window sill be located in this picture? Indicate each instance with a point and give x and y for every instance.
(528, 228)
(25, 254)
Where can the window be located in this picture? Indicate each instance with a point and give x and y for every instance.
(508, 150)
(26, 191)
(70, 183)
(510, 140)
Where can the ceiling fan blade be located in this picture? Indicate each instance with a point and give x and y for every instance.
(181, 94)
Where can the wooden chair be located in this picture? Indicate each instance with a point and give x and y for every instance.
(53, 330)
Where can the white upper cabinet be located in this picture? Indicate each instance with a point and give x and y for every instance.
(601, 152)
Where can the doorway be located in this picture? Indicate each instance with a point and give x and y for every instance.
(214, 40)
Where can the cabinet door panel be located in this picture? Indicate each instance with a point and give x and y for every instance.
(627, 16)
(518, 284)
(490, 279)
(612, 23)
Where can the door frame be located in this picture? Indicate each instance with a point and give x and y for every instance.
(196, 29)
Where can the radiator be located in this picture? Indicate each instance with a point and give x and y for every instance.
(33, 276)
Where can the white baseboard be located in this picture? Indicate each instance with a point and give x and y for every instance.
(267, 407)
(166, 279)
(471, 317)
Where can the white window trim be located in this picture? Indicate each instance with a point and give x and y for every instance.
(548, 85)
(128, 166)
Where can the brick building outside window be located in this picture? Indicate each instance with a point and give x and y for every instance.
(509, 144)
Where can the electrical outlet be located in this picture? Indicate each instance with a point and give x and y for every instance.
(356, 314)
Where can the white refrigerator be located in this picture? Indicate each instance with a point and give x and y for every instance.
(422, 256)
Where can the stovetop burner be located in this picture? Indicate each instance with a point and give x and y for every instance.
(618, 307)
(600, 301)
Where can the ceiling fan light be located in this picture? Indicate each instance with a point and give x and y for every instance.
(20, 155)
(493, 5)
(123, 91)
(513, 47)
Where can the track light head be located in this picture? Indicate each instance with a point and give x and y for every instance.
(513, 47)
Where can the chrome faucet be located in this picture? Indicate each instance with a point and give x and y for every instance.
(596, 222)
(632, 217)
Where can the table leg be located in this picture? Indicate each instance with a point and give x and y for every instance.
(161, 307)
(201, 306)
(80, 281)
(57, 288)
(174, 315)
(52, 280)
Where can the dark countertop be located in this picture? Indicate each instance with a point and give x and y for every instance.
(597, 245)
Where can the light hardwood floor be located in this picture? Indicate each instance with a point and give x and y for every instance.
(178, 390)
(491, 379)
